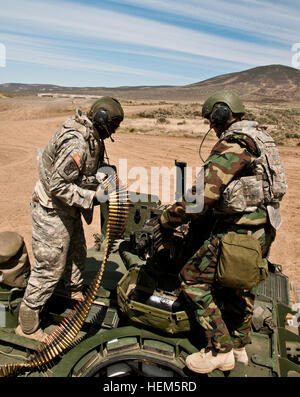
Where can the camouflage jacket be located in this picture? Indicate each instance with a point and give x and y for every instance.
(231, 158)
(68, 165)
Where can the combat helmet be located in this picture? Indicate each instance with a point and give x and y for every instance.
(111, 105)
(14, 260)
(229, 98)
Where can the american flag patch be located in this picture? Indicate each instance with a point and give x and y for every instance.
(77, 160)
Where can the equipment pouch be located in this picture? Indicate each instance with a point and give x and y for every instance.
(14, 260)
(240, 263)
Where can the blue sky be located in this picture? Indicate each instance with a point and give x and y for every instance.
(113, 43)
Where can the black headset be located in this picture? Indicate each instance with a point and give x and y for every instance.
(219, 118)
(100, 120)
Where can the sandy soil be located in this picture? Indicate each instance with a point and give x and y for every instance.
(20, 138)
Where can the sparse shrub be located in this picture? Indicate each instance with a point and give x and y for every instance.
(249, 116)
(163, 120)
(262, 120)
(146, 115)
(282, 122)
(292, 135)
(197, 114)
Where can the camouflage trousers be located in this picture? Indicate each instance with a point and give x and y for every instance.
(225, 314)
(59, 251)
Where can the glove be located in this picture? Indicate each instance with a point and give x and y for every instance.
(102, 194)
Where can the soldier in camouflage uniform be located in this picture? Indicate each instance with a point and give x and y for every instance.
(66, 189)
(244, 182)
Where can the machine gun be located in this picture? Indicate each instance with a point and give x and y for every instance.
(137, 323)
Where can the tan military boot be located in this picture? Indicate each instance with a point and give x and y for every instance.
(204, 362)
(241, 355)
(29, 324)
(38, 335)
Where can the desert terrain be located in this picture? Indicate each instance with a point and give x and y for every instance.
(154, 133)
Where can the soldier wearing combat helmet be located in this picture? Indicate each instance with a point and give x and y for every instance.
(67, 188)
(244, 182)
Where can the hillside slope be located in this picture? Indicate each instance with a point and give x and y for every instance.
(268, 83)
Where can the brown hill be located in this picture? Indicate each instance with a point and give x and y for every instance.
(273, 81)
(268, 83)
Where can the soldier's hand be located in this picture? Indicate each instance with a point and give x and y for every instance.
(103, 191)
(102, 194)
(116, 245)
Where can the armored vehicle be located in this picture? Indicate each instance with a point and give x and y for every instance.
(136, 322)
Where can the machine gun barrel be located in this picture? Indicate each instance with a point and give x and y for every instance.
(180, 180)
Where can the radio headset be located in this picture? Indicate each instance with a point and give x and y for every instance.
(219, 118)
(100, 120)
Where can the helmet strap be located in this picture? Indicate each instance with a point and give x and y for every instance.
(105, 153)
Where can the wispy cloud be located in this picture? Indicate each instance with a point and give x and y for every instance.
(90, 22)
(267, 19)
(98, 38)
(35, 51)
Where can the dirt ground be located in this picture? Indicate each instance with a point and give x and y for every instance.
(22, 135)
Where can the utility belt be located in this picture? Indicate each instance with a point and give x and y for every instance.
(57, 207)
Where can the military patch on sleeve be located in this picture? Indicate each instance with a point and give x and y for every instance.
(77, 160)
(71, 167)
